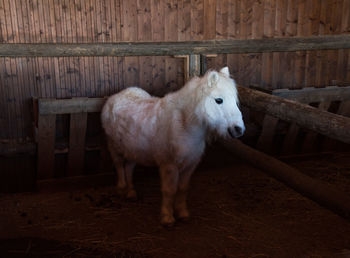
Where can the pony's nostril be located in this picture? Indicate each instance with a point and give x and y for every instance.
(238, 130)
(235, 131)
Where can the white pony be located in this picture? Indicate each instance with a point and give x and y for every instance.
(170, 133)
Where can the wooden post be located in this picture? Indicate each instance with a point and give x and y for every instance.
(194, 65)
(197, 63)
(318, 191)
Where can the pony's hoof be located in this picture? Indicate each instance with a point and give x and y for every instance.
(183, 216)
(121, 191)
(131, 196)
(167, 221)
(184, 219)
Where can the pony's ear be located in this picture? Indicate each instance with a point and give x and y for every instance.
(225, 71)
(213, 78)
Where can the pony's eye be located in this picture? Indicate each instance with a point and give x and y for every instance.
(219, 100)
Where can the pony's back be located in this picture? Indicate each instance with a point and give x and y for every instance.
(128, 119)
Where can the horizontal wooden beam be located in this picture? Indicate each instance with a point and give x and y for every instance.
(70, 106)
(12, 149)
(313, 95)
(176, 48)
(324, 194)
(323, 122)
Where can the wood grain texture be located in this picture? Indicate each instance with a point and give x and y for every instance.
(113, 21)
(177, 48)
(69, 106)
(46, 146)
(77, 134)
(325, 123)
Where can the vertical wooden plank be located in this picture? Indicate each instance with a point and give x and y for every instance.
(3, 29)
(170, 34)
(89, 38)
(210, 19)
(144, 33)
(23, 105)
(335, 28)
(12, 16)
(77, 134)
(279, 59)
(299, 74)
(5, 115)
(221, 21)
(311, 137)
(255, 62)
(197, 23)
(157, 14)
(23, 20)
(10, 74)
(72, 62)
(100, 37)
(81, 35)
(288, 145)
(334, 56)
(184, 33)
(344, 55)
(233, 32)
(129, 33)
(108, 64)
(114, 32)
(269, 26)
(22, 114)
(184, 20)
(46, 145)
(265, 141)
(17, 15)
(321, 56)
(245, 32)
(312, 29)
(194, 66)
(291, 29)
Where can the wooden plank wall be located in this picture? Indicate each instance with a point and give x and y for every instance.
(73, 21)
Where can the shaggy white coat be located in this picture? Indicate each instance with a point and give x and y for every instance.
(170, 133)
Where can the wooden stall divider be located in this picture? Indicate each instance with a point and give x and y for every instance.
(323, 96)
(47, 110)
(46, 146)
(77, 135)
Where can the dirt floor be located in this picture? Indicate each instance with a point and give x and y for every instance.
(237, 211)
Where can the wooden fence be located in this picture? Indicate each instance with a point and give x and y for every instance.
(110, 21)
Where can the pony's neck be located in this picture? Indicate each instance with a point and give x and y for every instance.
(186, 100)
(188, 97)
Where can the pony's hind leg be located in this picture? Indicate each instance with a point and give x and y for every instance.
(129, 170)
(118, 161)
(169, 179)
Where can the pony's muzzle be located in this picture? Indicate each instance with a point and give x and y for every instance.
(236, 131)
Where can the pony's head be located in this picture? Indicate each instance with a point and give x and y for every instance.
(218, 107)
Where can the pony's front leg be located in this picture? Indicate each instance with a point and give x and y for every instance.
(181, 210)
(169, 179)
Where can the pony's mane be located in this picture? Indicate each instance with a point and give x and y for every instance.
(194, 91)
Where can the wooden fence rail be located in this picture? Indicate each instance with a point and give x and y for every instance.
(332, 125)
(176, 48)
